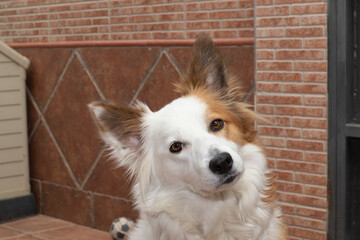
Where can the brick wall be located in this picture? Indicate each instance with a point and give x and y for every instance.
(291, 81)
(75, 20)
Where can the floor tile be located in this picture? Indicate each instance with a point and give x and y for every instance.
(6, 233)
(37, 223)
(74, 233)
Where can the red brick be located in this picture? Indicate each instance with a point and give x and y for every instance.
(270, 32)
(227, 14)
(171, 17)
(237, 23)
(311, 212)
(168, 8)
(311, 179)
(300, 54)
(143, 18)
(264, 2)
(314, 134)
(100, 21)
(97, 37)
(192, 6)
(225, 34)
(294, 1)
(279, 76)
(96, 13)
(278, 131)
(154, 26)
(264, 54)
(268, 87)
(315, 77)
(124, 28)
(136, 10)
(305, 145)
(197, 15)
(311, 66)
(279, 99)
(309, 123)
(315, 43)
(78, 22)
(305, 88)
(279, 43)
(306, 233)
(314, 20)
(247, 33)
(272, 11)
(265, 109)
(117, 3)
(177, 26)
(278, 21)
(142, 35)
(305, 222)
(274, 65)
(66, 15)
(304, 32)
(284, 175)
(308, 9)
(301, 166)
(218, 5)
(285, 153)
(83, 6)
(277, 121)
(85, 30)
(202, 25)
(316, 191)
(305, 200)
(273, 141)
(249, 13)
(290, 209)
(246, 3)
(316, 157)
(289, 187)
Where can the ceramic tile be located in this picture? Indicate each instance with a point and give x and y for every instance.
(75, 232)
(71, 122)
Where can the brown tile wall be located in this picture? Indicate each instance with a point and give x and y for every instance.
(71, 175)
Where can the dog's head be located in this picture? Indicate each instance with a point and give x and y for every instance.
(192, 143)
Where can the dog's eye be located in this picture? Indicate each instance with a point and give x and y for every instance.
(216, 125)
(176, 147)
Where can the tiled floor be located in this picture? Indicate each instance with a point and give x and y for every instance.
(41, 227)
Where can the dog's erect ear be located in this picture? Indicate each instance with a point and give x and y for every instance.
(120, 127)
(207, 68)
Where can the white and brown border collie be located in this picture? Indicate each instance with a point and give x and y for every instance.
(198, 168)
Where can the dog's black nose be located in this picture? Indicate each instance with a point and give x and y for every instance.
(221, 164)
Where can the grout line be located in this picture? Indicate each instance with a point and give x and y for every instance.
(92, 167)
(149, 71)
(173, 62)
(38, 111)
(62, 155)
(60, 79)
(89, 73)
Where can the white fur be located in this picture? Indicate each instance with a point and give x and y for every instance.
(177, 194)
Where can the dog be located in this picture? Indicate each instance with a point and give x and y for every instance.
(199, 170)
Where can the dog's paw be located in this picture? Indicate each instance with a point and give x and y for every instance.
(120, 227)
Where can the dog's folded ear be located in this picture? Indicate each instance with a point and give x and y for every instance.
(120, 127)
(207, 68)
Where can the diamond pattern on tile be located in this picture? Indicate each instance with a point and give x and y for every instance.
(182, 57)
(108, 179)
(70, 120)
(32, 114)
(46, 66)
(159, 89)
(75, 233)
(7, 233)
(119, 71)
(45, 158)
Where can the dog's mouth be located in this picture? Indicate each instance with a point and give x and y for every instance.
(229, 179)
